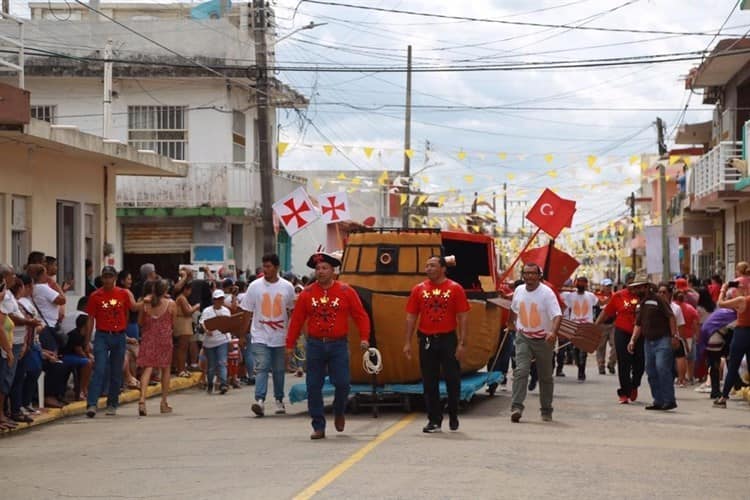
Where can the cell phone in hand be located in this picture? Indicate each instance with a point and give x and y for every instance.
(733, 284)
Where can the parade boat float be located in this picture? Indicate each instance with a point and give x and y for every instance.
(383, 265)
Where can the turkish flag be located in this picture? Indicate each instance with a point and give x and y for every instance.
(295, 211)
(334, 207)
(561, 265)
(552, 213)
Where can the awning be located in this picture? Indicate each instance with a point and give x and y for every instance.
(125, 159)
(726, 60)
(694, 133)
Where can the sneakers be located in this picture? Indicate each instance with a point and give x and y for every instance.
(634, 394)
(611, 369)
(431, 428)
(223, 388)
(546, 417)
(623, 400)
(91, 411)
(602, 371)
(559, 373)
(453, 424)
(515, 415)
(110, 411)
(280, 408)
(259, 408)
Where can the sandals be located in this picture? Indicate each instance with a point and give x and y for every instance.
(185, 374)
(133, 383)
(142, 409)
(21, 418)
(7, 425)
(165, 408)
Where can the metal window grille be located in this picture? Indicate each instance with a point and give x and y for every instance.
(46, 113)
(238, 137)
(159, 128)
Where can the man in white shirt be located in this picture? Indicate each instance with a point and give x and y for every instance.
(267, 303)
(216, 344)
(579, 307)
(535, 316)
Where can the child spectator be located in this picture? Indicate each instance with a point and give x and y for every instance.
(216, 343)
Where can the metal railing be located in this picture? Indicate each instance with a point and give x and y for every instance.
(712, 172)
(206, 185)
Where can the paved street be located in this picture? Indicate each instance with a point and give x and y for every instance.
(212, 448)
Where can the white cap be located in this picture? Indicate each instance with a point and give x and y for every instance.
(218, 294)
(606, 282)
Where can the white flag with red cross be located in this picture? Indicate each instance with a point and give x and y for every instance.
(334, 207)
(295, 211)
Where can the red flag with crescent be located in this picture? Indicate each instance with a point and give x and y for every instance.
(295, 211)
(561, 265)
(552, 213)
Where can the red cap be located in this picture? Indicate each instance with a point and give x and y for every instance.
(681, 284)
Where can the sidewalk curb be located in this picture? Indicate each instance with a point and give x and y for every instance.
(128, 396)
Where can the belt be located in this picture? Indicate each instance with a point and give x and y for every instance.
(111, 332)
(328, 338)
(434, 334)
(531, 333)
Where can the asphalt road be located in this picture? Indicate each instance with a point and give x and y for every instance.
(211, 447)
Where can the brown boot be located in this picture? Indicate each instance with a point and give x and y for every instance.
(318, 435)
(339, 422)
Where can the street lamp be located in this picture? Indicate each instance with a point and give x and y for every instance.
(309, 26)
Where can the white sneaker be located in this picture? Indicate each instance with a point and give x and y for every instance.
(280, 408)
(258, 408)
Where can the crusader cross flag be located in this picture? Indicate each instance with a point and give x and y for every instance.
(334, 207)
(295, 211)
(552, 213)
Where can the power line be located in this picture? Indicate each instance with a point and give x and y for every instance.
(501, 21)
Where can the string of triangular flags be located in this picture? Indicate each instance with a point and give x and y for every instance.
(594, 162)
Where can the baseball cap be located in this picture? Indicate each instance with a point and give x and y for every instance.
(227, 282)
(606, 282)
(681, 284)
(109, 270)
(218, 294)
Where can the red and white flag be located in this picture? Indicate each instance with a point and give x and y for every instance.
(334, 207)
(552, 213)
(295, 211)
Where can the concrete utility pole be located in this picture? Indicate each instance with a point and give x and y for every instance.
(264, 133)
(107, 101)
(665, 272)
(405, 212)
(633, 255)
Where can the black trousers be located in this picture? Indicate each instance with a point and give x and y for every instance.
(630, 367)
(436, 352)
(714, 364)
(55, 379)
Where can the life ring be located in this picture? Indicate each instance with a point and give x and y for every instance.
(386, 258)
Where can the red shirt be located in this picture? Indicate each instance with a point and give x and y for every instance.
(109, 308)
(437, 305)
(743, 318)
(327, 312)
(691, 319)
(714, 290)
(623, 304)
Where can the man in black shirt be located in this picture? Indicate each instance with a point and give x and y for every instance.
(655, 320)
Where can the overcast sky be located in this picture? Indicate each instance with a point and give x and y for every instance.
(531, 138)
(480, 149)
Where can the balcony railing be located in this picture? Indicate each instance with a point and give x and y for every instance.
(206, 185)
(713, 172)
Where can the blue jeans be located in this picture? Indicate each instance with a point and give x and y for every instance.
(109, 354)
(217, 363)
(659, 363)
(330, 357)
(247, 355)
(740, 348)
(269, 358)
